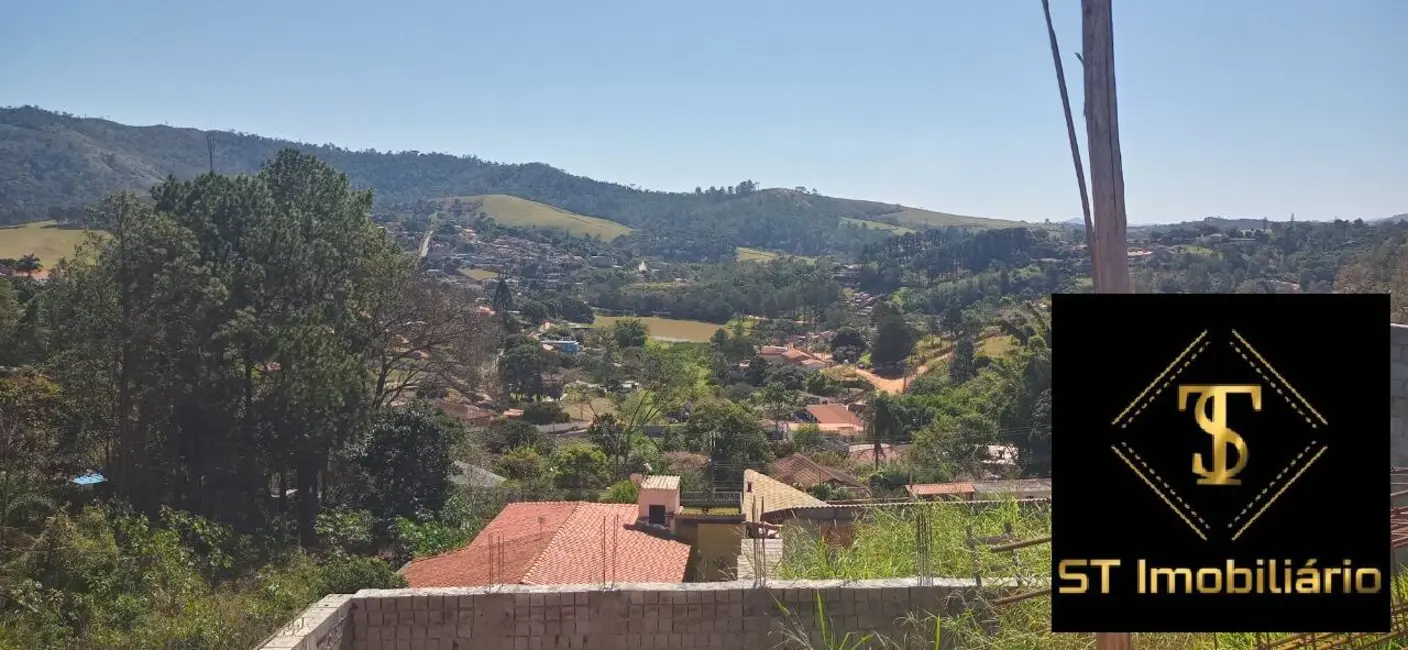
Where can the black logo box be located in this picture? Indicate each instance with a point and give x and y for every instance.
(1330, 371)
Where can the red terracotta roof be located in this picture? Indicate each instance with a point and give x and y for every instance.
(795, 355)
(556, 543)
(835, 415)
(799, 471)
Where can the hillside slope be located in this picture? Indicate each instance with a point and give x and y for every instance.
(50, 160)
(513, 211)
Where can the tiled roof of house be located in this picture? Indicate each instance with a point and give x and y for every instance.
(468, 412)
(556, 543)
(763, 494)
(799, 471)
(796, 356)
(834, 415)
(660, 483)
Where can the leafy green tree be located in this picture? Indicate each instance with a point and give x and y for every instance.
(848, 337)
(10, 314)
(505, 434)
(573, 309)
(613, 438)
(961, 365)
(630, 333)
(522, 464)
(886, 422)
(623, 491)
(503, 297)
(521, 370)
(778, 400)
(544, 413)
(894, 340)
(729, 434)
(806, 437)
(408, 458)
(579, 467)
(29, 264)
(533, 312)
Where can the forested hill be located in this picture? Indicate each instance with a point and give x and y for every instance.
(51, 160)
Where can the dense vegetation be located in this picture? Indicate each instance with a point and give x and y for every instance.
(56, 162)
(226, 358)
(250, 361)
(719, 293)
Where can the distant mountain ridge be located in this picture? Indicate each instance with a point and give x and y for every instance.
(1225, 222)
(51, 160)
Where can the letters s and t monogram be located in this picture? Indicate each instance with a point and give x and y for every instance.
(1215, 425)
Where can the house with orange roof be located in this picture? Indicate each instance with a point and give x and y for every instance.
(835, 419)
(558, 543)
(789, 355)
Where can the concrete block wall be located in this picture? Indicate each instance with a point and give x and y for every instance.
(666, 616)
(713, 616)
(1398, 386)
(323, 626)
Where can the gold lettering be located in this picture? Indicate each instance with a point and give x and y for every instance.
(1216, 426)
(1065, 571)
(1082, 581)
(1209, 581)
(1360, 574)
(1268, 577)
(1233, 572)
(1170, 576)
(1308, 579)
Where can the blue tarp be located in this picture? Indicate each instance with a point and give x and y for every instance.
(90, 478)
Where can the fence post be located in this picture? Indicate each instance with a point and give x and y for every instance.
(1119, 641)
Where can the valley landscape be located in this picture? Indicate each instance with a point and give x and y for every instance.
(337, 368)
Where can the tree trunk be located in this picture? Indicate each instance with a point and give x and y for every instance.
(1103, 136)
(308, 498)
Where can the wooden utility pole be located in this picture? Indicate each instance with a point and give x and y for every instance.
(1071, 135)
(1102, 132)
(1110, 253)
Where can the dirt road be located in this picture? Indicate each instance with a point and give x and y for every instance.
(897, 385)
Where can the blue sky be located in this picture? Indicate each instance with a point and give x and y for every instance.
(1241, 107)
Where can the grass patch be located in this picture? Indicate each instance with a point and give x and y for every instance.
(668, 329)
(930, 219)
(44, 239)
(878, 225)
(479, 274)
(884, 546)
(588, 410)
(997, 346)
(513, 211)
(744, 254)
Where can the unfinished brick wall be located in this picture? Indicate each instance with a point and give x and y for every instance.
(1398, 388)
(731, 616)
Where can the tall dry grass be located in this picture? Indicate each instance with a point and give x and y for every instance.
(885, 545)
